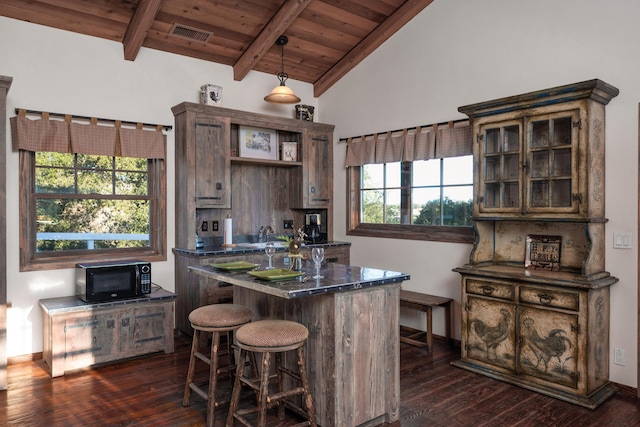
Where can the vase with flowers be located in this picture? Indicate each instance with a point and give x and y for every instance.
(295, 245)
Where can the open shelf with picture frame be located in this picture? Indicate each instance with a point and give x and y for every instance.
(251, 144)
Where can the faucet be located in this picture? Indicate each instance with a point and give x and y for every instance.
(263, 233)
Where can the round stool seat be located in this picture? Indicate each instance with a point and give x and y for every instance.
(220, 316)
(272, 333)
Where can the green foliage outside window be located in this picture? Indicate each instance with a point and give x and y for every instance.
(439, 210)
(105, 199)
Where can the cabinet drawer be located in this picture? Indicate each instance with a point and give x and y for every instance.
(550, 298)
(490, 289)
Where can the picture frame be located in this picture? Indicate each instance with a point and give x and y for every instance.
(258, 143)
(543, 252)
(289, 151)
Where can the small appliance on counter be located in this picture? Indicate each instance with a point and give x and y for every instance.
(313, 229)
(112, 280)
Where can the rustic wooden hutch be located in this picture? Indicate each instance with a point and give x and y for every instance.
(539, 180)
(214, 179)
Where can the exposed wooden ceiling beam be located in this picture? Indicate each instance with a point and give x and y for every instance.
(141, 21)
(268, 36)
(404, 14)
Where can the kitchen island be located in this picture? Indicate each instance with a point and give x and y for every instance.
(194, 291)
(353, 349)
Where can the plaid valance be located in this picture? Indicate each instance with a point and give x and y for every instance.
(408, 145)
(94, 139)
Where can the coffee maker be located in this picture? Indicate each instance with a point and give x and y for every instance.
(312, 229)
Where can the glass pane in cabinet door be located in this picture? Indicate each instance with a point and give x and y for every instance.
(562, 131)
(511, 138)
(491, 195)
(492, 141)
(539, 194)
(540, 134)
(540, 164)
(511, 195)
(511, 166)
(562, 162)
(561, 193)
(491, 168)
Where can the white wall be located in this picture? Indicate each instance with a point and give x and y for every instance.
(63, 72)
(454, 53)
(459, 52)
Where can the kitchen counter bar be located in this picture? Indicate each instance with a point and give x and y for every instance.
(244, 248)
(353, 349)
(336, 278)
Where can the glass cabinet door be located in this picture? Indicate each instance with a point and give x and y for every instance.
(500, 167)
(551, 161)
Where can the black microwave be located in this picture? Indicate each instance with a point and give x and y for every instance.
(112, 280)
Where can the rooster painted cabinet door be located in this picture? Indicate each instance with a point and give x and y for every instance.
(539, 171)
(538, 333)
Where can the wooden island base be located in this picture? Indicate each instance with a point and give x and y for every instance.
(353, 350)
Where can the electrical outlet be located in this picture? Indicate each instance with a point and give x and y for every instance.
(619, 357)
(214, 225)
(288, 224)
(205, 226)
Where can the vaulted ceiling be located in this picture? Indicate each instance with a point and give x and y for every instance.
(327, 38)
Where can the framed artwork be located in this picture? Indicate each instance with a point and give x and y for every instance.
(257, 143)
(289, 151)
(543, 252)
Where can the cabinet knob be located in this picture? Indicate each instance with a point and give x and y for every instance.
(487, 290)
(545, 298)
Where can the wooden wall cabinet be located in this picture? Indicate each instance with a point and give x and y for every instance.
(78, 334)
(317, 180)
(212, 163)
(213, 180)
(539, 170)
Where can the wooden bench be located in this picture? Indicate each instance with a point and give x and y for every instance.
(425, 303)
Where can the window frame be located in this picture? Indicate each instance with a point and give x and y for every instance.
(437, 233)
(31, 260)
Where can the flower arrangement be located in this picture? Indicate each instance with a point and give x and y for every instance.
(294, 244)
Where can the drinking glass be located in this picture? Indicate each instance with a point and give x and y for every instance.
(317, 254)
(270, 249)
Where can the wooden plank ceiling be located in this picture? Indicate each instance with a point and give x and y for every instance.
(327, 38)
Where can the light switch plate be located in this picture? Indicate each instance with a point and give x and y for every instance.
(622, 240)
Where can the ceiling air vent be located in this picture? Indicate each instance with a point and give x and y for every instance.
(189, 33)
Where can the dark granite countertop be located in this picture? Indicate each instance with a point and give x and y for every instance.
(337, 278)
(73, 303)
(239, 249)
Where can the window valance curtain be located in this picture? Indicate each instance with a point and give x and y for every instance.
(421, 143)
(67, 136)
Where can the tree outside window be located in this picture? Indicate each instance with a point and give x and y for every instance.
(436, 192)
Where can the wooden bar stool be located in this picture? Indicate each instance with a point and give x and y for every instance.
(214, 319)
(272, 337)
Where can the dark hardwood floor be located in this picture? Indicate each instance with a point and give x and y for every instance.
(148, 392)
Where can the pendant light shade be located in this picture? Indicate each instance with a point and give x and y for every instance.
(281, 94)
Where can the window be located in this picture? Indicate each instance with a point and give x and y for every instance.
(91, 207)
(431, 192)
(429, 197)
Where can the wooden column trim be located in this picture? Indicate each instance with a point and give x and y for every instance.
(5, 84)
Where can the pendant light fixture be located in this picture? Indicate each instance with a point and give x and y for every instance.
(282, 94)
